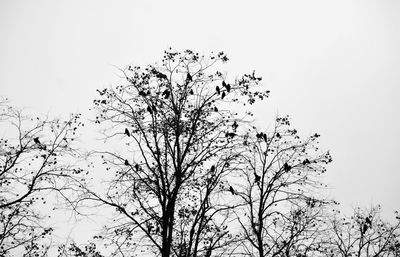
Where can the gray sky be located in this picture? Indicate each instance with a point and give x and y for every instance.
(332, 65)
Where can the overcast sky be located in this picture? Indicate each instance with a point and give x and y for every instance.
(334, 66)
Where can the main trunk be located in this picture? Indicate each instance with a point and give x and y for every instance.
(168, 225)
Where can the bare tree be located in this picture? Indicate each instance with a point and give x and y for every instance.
(176, 129)
(284, 211)
(189, 175)
(364, 234)
(33, 162)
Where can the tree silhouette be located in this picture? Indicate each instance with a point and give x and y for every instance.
(170, 189)
(362, 234)
(282, 211)
(32, 163)
(189, 175)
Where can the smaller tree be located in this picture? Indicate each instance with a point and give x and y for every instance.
(33, 161)
(283, 212)
(363, 234)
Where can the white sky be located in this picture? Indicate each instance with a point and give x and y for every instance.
(332, 65)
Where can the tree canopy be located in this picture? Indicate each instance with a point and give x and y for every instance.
(188, 173)
(35, 160)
